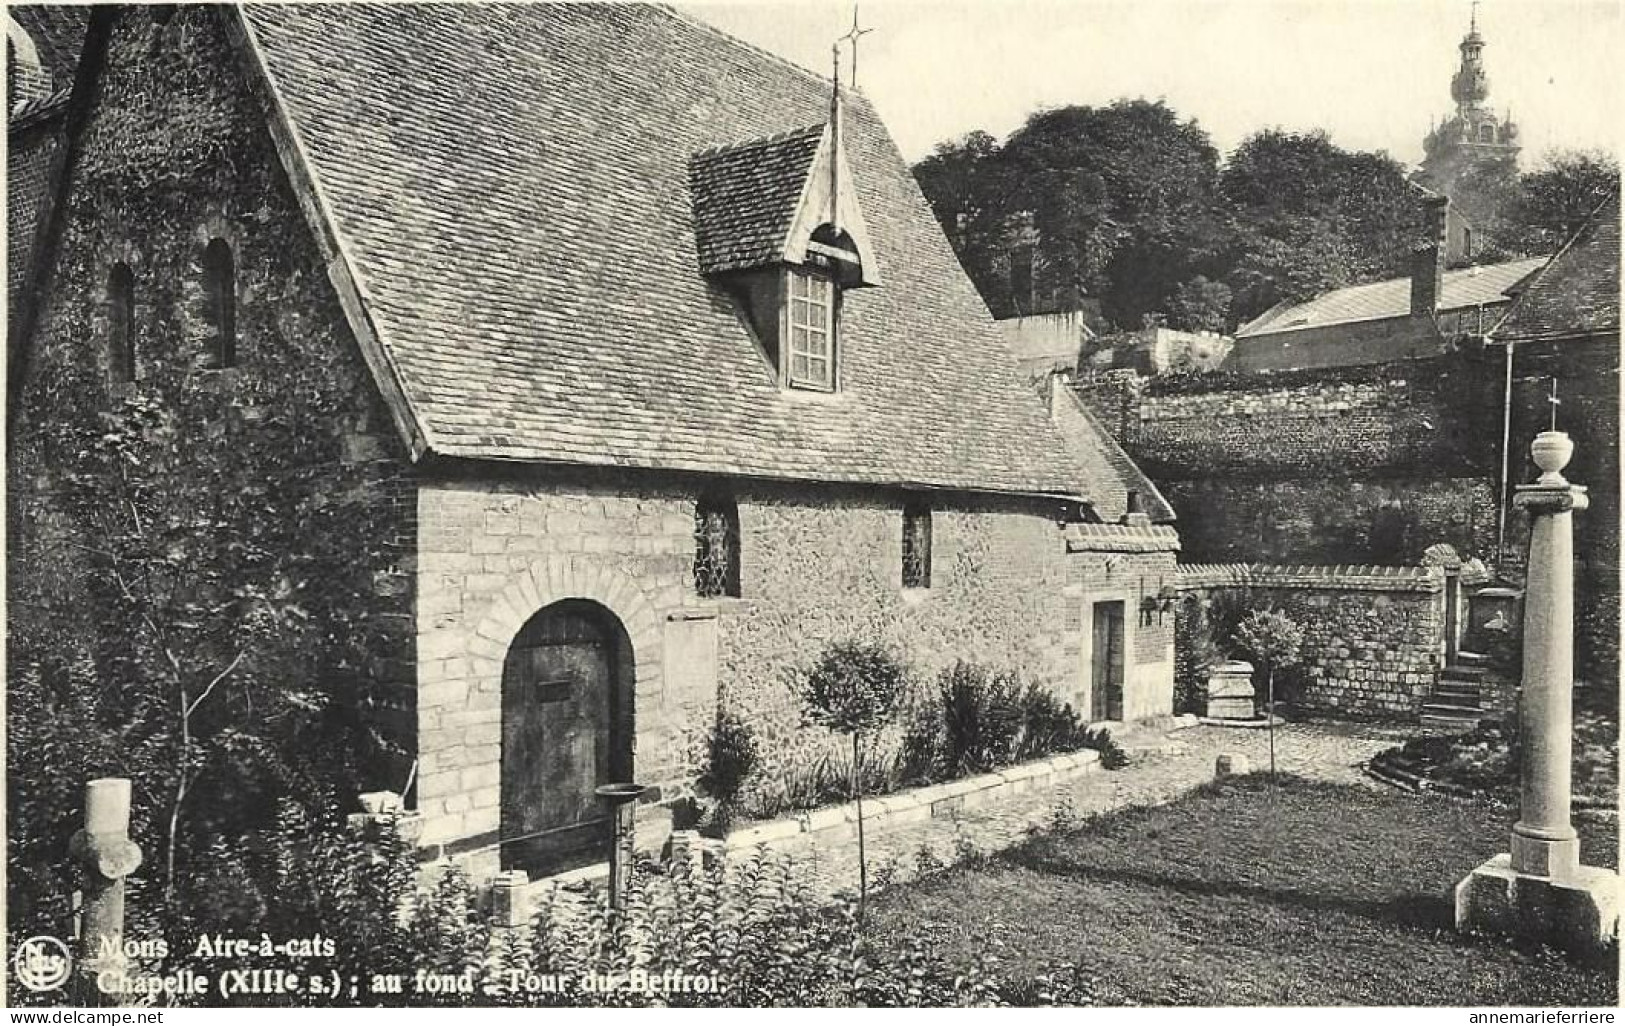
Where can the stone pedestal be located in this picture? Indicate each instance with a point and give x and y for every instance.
(1230, 692)
(1540, 889)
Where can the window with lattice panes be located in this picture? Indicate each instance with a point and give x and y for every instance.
(916, 546)
(716, 547)
(811, 352)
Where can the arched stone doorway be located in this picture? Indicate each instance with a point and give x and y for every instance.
(567, 685)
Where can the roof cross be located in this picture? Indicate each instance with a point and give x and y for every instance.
(852, 37)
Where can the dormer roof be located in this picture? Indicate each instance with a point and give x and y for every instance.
(513, 191)
(758, 203)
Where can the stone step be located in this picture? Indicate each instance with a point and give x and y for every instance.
(1456, 671)
(1451, 711)
(1454, 724)
(1447, 688)
(1465, 658)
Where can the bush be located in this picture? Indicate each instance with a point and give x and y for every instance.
(1196, 652)
(982, 717)
(730, 758)
(1112, 755)
(1049, 726)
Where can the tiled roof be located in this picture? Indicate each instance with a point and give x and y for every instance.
(510, 184)
(1577, 293)
(39, 109)
(1465, 288)
(745, 198)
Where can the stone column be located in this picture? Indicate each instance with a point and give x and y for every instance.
(1543, 840)
(1541, 890)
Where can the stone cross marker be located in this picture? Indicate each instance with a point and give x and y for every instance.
(107, 855)
(1540, 889)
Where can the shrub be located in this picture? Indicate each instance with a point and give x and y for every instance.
(982, 717)
(1196, 652)
(730, 758)
(1049, 726)
(1112, 755)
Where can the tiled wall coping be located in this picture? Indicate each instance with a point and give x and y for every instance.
(1349, 577)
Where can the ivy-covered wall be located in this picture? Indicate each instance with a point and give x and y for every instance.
(1332, 465)
(254, 523)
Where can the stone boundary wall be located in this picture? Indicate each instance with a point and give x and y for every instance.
(1373, 635)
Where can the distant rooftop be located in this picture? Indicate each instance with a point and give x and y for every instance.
(1469, 287)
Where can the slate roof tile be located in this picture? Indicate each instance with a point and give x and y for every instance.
(512, 184)
(745, 198)
(1464, 288)
(1577, 293)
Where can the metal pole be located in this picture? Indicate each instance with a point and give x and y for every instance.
(1506, 459)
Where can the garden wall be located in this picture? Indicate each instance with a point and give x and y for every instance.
(1373, 635)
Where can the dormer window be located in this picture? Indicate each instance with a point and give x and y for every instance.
(811, 314)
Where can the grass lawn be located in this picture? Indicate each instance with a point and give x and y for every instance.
(1313, 894)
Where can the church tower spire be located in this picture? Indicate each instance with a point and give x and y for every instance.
(1475, 138)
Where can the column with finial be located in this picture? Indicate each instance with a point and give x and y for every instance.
(1540, 889)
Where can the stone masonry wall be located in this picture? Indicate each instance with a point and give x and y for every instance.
(1373, 635)
(1338, 465)
(818, 564)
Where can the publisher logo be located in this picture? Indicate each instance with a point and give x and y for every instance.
(42, 963)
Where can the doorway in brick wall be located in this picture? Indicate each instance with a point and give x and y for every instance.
(1106, 663)
(566, 729)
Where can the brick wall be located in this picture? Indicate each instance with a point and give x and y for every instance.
(818, 565)
(1373, 635)
(176, 152)
(32, 158)
(1114, 563)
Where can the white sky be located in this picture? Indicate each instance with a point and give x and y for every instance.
(1373, 73)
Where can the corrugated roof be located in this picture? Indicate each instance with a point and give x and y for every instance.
(1465, 288)
(512, 185)
(745, 198)
(1577, 293)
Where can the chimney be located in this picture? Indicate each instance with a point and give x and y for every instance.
(1427, 258)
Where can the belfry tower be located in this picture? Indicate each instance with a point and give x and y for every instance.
(1475, 139)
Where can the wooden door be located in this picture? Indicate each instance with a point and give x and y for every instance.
(557, 684)
(1106, 690)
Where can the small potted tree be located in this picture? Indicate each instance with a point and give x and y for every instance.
(855, 689)
(1274, 640)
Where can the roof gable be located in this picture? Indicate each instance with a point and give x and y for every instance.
(1577, 292)
(511, 187)
(747, 196)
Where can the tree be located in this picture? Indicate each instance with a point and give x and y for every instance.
(1273, 639)
(1553, 200)
(1311, 216)
(855, 689)
(1200, 305)
(1118, 201)
(965, 183)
